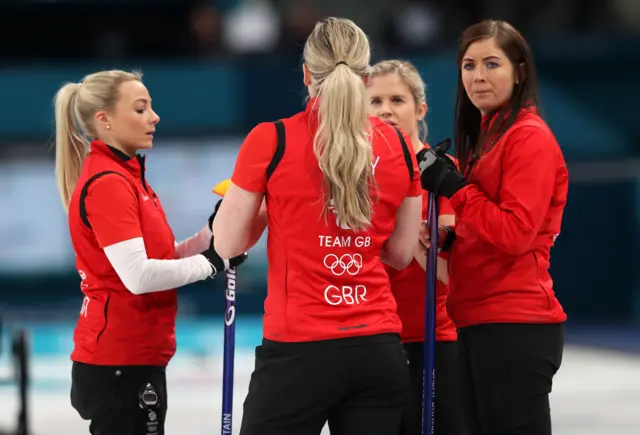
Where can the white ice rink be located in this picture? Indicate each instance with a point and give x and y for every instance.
(595, 393)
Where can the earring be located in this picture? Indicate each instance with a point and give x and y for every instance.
(108, 127)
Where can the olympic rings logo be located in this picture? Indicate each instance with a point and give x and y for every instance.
(348, 263)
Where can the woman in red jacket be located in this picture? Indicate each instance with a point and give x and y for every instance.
(126, 254)
(397, 96)
(508, 207)
(342, 195)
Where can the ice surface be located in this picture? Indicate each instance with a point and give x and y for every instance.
(594, 393)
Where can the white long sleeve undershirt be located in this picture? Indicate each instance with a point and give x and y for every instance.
(142, 275)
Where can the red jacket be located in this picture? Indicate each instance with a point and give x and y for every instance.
(409, 288)
(115, 326)
(507, 220)
(324, 282)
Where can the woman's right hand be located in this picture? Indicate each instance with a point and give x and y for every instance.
(425, 235)
(218, 264)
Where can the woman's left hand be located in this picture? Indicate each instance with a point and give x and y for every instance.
(213, 215)
(438, 173)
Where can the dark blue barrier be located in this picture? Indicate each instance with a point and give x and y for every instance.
(232, 96)
(191, 98)
(594, 263)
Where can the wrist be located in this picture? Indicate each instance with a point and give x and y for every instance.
(453, 182)
(449, 239)
(207, 266)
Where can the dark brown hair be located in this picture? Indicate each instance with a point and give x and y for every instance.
(468, 137)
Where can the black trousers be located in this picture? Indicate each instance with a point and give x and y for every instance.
(127, 400)
(359, 385)
(506, 373)
(448, 419)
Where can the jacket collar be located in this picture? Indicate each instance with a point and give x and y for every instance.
(501, 114)
(135, 165)
(312, 112)
(312, 105)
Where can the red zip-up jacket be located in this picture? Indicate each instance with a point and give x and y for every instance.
(325, 281)
(507, 220)
(409, 288)
(111, 203)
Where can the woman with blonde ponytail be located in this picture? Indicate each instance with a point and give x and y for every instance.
(341, 196)
(126, 255)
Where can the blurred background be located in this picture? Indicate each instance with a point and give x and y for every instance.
(217, 68)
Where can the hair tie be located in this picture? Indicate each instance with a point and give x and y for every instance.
(342, 62)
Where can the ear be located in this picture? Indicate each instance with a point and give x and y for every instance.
(306, 75)
(102, 117)
(422, 110)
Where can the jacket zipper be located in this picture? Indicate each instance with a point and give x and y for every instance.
(106, 317)
(142, 169)
(535, 258)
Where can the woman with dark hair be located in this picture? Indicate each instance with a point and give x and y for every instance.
(508, 200)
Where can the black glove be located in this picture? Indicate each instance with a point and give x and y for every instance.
(218, 263)
(438, 173)
(213, 215)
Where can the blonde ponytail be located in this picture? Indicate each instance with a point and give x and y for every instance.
(71, 147)
(343, 148)
(337, 55)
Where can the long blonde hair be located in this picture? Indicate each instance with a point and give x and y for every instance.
(411, 77)
(76, 105)
(337, 54)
